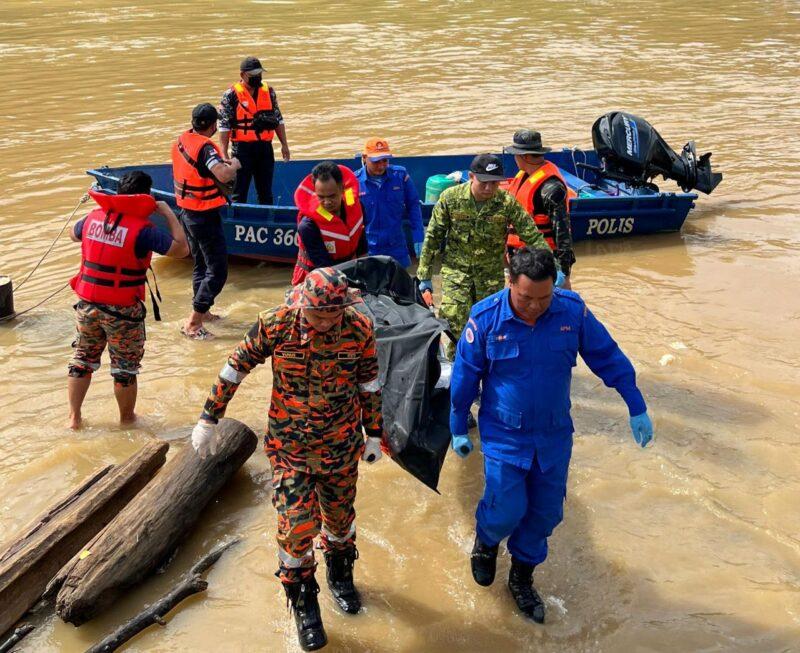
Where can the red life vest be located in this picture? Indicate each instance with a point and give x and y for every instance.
(110, 271)
(242, 128)
(192, 191)
(341, 238)
(524, 188)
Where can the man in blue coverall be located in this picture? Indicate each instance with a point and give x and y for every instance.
(520, 346)
(387, 196)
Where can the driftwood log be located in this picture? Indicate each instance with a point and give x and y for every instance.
(16, 637)
(55, 536)
(133, 545)
(190, 584)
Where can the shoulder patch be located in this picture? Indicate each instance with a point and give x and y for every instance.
(469, 336)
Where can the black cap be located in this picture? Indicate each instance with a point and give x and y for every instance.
(204, 115)
(251, 66)
(487, 167)
(527, 141)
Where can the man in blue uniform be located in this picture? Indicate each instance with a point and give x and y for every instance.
(387, 196)
(520, 346)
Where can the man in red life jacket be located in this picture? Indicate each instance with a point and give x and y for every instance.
(250, 118)
(200, 176)
(543, 193)
(330, 224)
(117, 242)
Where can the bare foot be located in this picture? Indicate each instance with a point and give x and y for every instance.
(128, 419)
(75, 422)
(211, 317)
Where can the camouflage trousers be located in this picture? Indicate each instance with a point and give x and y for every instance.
(460, 292)
(98, 328)
(307, 503)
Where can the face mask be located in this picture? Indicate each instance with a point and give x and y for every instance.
(254, 82)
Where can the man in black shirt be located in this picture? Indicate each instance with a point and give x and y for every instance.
(249, 118)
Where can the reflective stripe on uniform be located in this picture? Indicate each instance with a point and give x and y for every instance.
(231, 374)
(292, 562)
(119, 370)
(370, 386)
(330, 536)
(92, 366)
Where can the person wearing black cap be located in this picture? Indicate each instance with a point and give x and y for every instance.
(543, 193)
(201, 179)
(250, 118)
(469, 225)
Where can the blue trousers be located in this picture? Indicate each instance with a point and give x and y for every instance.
(522, 505)
(399, 254)
(207, 244)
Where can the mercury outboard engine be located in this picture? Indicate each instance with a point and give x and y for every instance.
(632, 151)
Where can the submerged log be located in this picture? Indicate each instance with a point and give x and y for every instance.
(133, 545)
(55, 536)
(190, 584)
(16, 637)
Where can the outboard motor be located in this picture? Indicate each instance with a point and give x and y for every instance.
(632, 151)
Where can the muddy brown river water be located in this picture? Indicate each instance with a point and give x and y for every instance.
(690, 545)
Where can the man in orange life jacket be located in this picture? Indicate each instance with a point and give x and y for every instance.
(330, 223)
(543, 193)
(117, 241)
(200, 177)
(250, 118)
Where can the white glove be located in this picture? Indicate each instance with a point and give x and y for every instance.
(372, 450)
(204, 438)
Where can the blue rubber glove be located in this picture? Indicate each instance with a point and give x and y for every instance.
(560, 278)
(642, 429)
(425, 284)
(417, 249)
(462, 445)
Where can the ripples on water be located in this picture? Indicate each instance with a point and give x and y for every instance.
(690, 545)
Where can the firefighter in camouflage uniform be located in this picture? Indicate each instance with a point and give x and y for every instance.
(325, 389)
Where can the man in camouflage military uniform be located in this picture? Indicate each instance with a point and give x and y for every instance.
(325, 388)
(470, 223)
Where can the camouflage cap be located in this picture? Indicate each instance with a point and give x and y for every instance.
(323, 289)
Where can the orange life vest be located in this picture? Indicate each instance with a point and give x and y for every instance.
(523, 188)
(110, 271)
(341, 238)
(193, 191)
(242, 129)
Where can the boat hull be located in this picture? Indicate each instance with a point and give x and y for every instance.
(600, 210)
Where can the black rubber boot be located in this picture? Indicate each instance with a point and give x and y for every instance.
(484, 562)
(520, 582)
(302, 596)
(340, 579)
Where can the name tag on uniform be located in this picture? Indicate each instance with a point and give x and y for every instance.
(292, 355)
(348, 355)
(397, 188)
(566, 327)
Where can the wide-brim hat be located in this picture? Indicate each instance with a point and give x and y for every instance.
(527, 141)
(323, 289)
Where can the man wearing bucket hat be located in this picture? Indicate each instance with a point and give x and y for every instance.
(325, 389)
(388, 197)
(470, 222)
(543, 193)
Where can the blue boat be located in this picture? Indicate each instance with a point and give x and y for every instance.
(603, 207)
